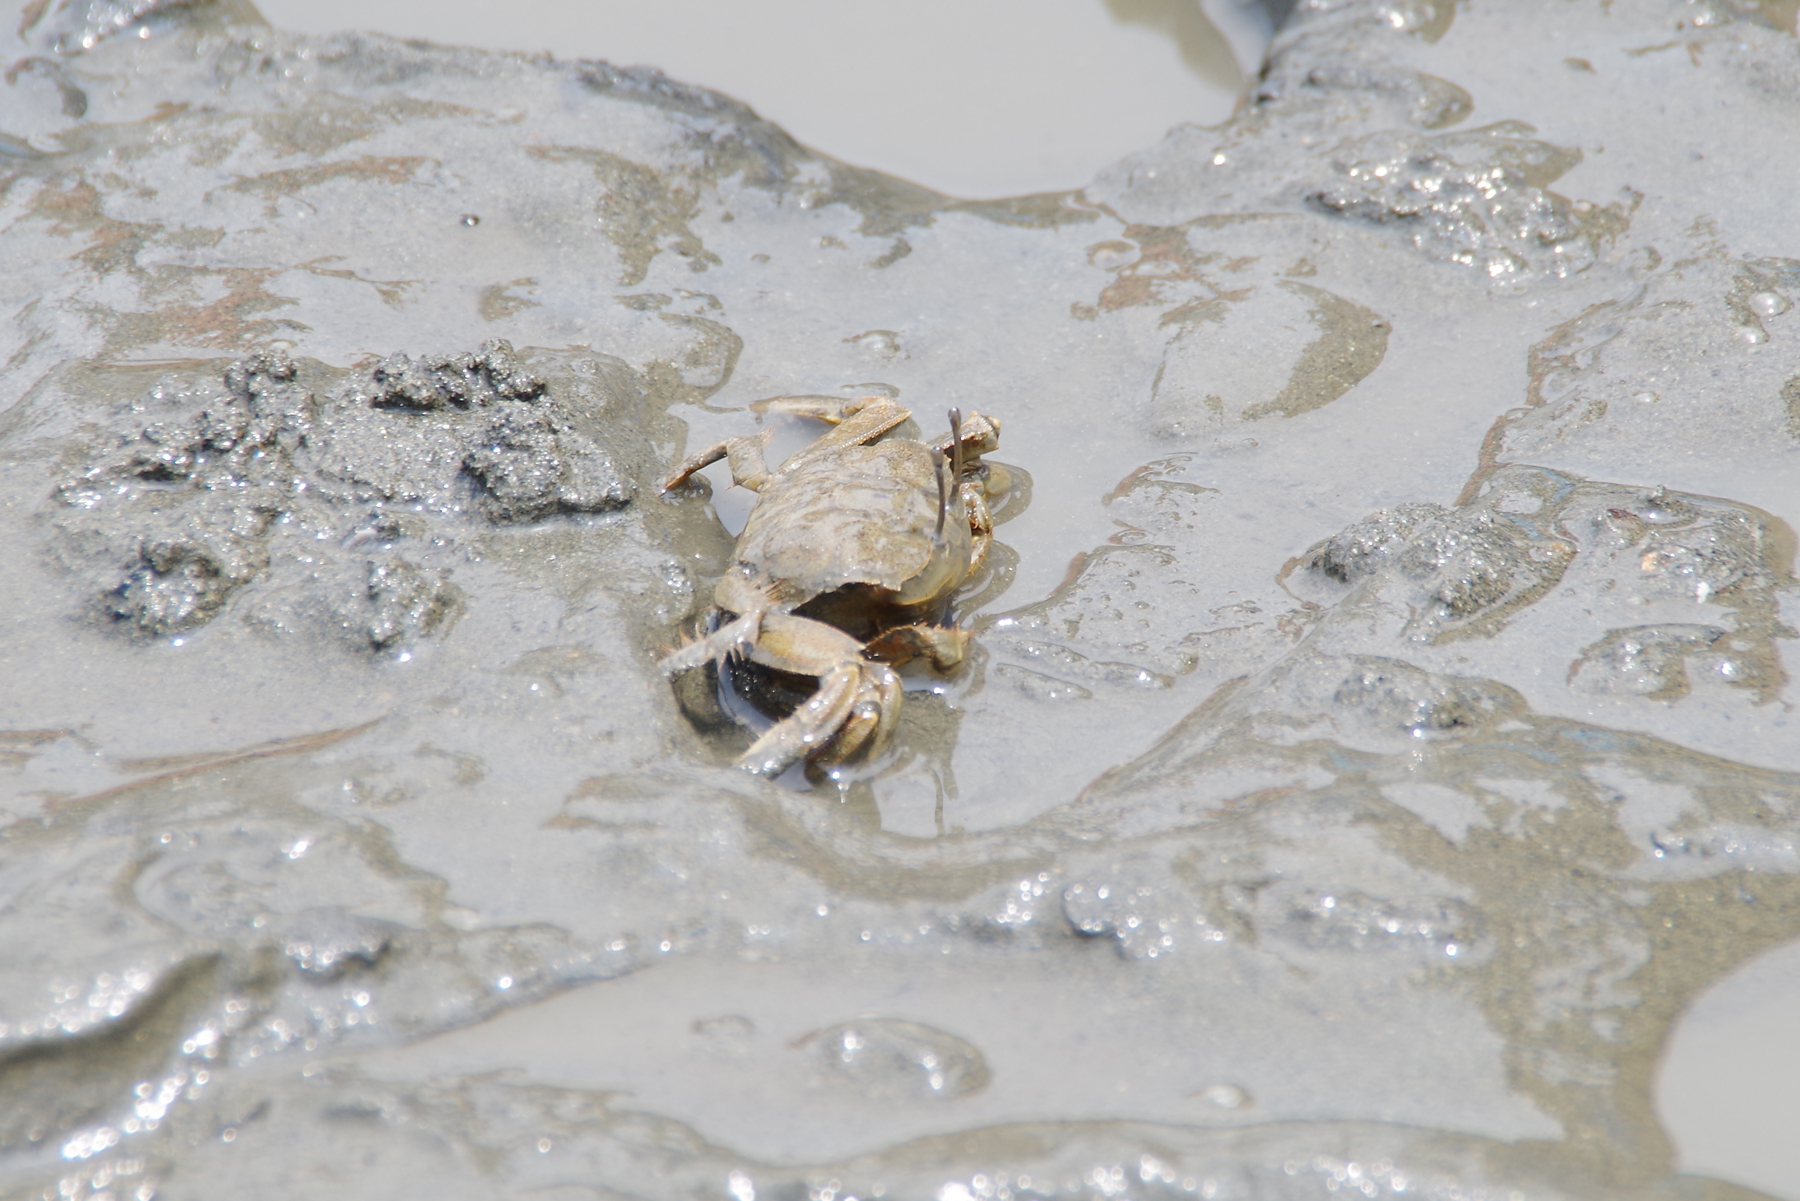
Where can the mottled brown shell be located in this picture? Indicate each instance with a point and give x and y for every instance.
(850, 515)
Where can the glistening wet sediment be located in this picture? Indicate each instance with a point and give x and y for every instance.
(1383, 736)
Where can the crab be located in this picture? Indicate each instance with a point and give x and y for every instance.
(845, 569)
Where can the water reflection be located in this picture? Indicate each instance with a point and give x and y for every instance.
(1201, 44)
(1003, 98)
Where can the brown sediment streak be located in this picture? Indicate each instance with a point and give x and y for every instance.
(1157, 244)
(1554, 351)
(1352, 343)
(1074, 573)
(391, 291)
(226, 322)
(33, 737)
(1487, 460)
(1124, 536)
(389, 169)
(1167, 246)
(1127, 484)
(193, 765)
(1287, 569)
(1149, 473)
(72, 206)
(642, 211)
(496, 301)
(18, 746)
(75, 207)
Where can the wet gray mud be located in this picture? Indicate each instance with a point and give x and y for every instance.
(1381, 724)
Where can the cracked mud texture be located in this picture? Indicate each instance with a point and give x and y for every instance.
(1380, 723)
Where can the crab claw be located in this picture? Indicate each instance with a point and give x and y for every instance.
(865, 731)
(945, 646)
(977, 433)
(851, 714)
(808, 728)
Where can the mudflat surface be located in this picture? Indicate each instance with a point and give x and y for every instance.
(1378, 731)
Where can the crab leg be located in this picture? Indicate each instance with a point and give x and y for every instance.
(828, 408)
(809, 727)
(857, 421)
(737, 635)
(856, 704)
(746, 455)
(871, 719)
(981, 523)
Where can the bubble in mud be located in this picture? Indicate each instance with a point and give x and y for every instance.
(1663, 508)
(1113, 254)
(1041, 687)
(1394, 696)
(1224, 1096)
(880, 343)
(1466, 571)
(1147, 918)
(408, 602)
(895, 1060)
(1464, 197)
(1660, 661)
(1720, 847)
(1769, 304)
(1702, 559)
(330, 943)
(1439, 928)
(1018, 907)
(1370, 544)
(731, 1027)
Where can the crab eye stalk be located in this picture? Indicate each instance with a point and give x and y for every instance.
(937, 471)
(956, 449)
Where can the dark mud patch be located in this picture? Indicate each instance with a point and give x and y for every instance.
(268, 491)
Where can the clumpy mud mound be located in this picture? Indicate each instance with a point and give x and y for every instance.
(304, 505)
(1673, 588)
(459, 433)
(1478, 197)
(182, 507)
